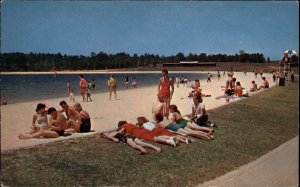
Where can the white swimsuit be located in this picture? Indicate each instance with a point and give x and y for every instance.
(43, 123)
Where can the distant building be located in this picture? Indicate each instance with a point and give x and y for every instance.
(190, 64)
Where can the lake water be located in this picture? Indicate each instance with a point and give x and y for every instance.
(20, 88)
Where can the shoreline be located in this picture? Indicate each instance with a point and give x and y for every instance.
(16, 118)
(100, 72)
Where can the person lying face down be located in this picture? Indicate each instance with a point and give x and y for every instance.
(119, 136)
(158, 135)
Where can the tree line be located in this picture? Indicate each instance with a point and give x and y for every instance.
(96, 61)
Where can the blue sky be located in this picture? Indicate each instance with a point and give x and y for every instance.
(155, 27)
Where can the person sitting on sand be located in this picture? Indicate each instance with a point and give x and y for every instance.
(73, 117)
(197, 90)
(3, 101)
(254, 87)
(265, 84)
(158, 135)
(119, 136)
(199, 115)
(56, 127)
(229, 88)
(85, 125)
(238, 90)
(40, 119)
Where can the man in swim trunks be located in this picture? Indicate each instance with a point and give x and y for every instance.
(73, 117)
(166, 90)
(265, 84)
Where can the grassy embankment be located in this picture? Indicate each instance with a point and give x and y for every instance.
(247, 130)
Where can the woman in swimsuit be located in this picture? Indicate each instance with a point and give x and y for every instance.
(166, 90)
(158, 135)
(85, 119)
(112, 86)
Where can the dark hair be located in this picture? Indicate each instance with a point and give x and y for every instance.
(263, 78)
(253, 81)
(159, 117)
(40, 106)
(121, 123)
(62, 103)
(174, 107)
(233, 79)
(142, 118)
(81, 75)
(51, 109)
(238, 83)
(165, 71)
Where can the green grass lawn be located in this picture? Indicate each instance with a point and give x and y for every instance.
(246, 130)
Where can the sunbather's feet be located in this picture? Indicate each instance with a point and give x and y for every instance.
(187, 141)
(24, 136)
(158, 150)
(192, 140)
(171, 141)
(211, 132)
(143, 152)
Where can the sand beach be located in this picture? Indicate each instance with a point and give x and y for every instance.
(105, 113)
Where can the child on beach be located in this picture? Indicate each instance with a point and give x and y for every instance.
(72, 96)
(254, 87)
(88, 95)
(134, 82)
(208, 77)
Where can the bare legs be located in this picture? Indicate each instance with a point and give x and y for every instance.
(112, 88)
(194, 126)
(73, 125)
(173, 141)
(167, 102)
(140, 145)
(40, 133)
(194, 133)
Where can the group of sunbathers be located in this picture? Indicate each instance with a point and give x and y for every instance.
(169, 128)
(58, 124)
(234, 88)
